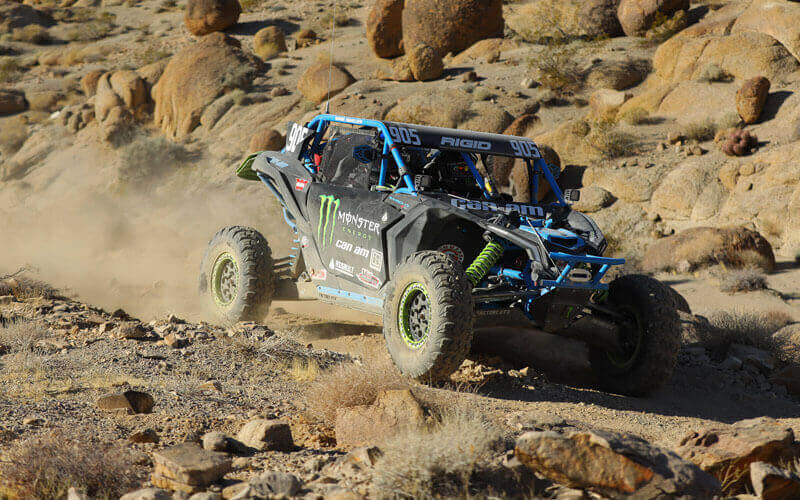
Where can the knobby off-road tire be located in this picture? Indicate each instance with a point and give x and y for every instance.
(652, 344)
(236, 278)
(428, 316)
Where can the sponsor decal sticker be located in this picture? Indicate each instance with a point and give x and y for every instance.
(369, 279)
(455, 142)
(340, 267)
(488, 206)
(300, 184)
(328, 207)
(319, 275)
(376, 260)
(349, 247)
(452, 251)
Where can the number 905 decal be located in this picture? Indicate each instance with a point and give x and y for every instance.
(405, 136)
(525, 149)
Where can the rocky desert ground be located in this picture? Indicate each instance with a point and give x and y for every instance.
(122, 123)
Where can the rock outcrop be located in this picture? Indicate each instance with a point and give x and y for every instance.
(385, 28)
(451, 25)
(207, 16)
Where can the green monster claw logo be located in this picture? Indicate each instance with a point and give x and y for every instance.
(326, 202)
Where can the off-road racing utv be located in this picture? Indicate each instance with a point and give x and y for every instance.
(404, 221)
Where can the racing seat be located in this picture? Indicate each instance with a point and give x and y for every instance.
(351, 159)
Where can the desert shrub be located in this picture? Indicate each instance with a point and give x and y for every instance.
(46, 467)
(557, 70)
(22, 336)
(90, 30)
(439, 461)
(32, 33)
(22, 286)
(150, 55)
(350, 385)
(340, 18)
(664, 26)
(741, 327)
(700, 131)
(611, 141)
(304, 370)
(147, 158)
(481, 94)
(713, 73)
(250, 5)
(9, 68)
(634, 116)
(743, 280)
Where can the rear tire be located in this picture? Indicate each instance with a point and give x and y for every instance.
(651, 341)
(236, 278)
(428, 316)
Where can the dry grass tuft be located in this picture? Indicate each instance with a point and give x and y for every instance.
(32, 33)
(742, 327)
(713, 73)
(304, 370)
(46, 467)
(610, 141)
(700, 131)
(635, 116)
(743, 280)
(441, 461)
(9, 68)
(350, 385)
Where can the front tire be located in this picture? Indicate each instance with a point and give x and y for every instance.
(651, 337)
(236, 278)
(428, 316)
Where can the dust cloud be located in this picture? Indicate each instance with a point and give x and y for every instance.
(116, 246)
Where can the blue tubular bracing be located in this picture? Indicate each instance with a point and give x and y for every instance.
(563, 279)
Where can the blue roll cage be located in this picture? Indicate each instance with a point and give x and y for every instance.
(535, 166)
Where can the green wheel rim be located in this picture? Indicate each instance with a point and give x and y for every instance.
(225, 279)
(414, 318)
(631, 343)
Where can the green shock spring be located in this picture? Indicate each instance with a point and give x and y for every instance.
(488, 257)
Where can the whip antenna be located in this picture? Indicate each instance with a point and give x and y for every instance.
(330, 59)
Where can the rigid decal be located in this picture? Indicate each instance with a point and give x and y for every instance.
(488, 206)
(328, 207)
(376, 260)
(341, 267)
(452, 251)
(368, 278)
(455, 142)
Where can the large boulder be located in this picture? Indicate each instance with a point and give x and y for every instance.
(771, 483)
(613, 464)
(188, 467)
(702, 246)
(267, 434)
(776, 19)
(681, 188)
(322, 80)
(556, 19)
(451, 25)
(385, 28)
(741, 55)
(617, 75)
(425, 63)
(195, 77)
(727, 452)
(751, 97)
(637, 16)
(207, 16)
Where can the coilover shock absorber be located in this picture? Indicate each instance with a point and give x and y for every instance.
(486, 260)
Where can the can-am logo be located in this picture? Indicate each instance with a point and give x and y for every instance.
(488, 206)
(455, 142)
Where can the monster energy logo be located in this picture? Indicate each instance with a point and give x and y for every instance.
(323, 235)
